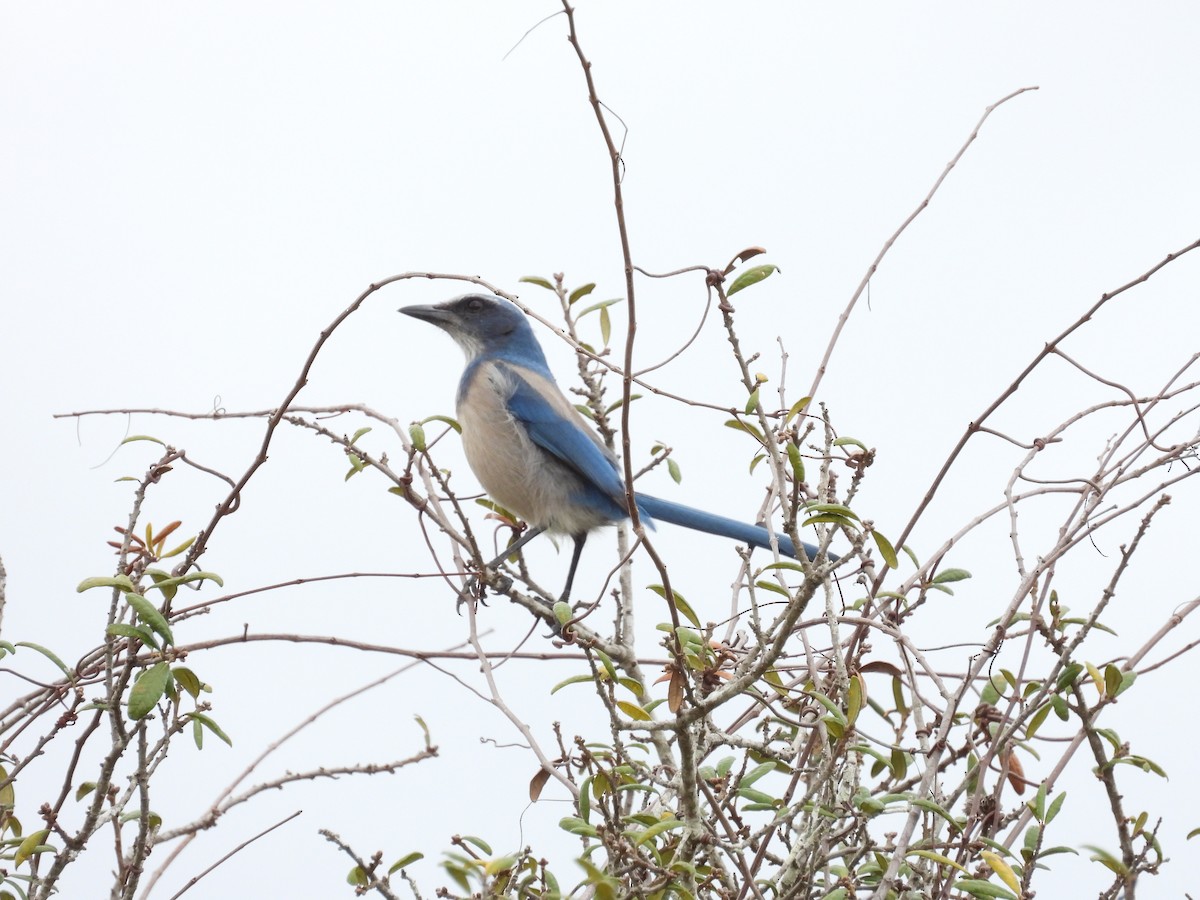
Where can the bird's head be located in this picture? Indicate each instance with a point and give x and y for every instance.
(484, 326)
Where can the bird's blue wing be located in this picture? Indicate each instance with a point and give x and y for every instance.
(554, 425)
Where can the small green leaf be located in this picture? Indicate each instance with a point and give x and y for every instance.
(937, 810)
(573, 825)
(603, 304)
(580, 292)
(750, 277)
(797, 462)
(84, 789)
(212, 726)
(983, 889)
(187, 680)
(605, 326)
(574, 679)
(681, 604)
(417, 435)
(142, 437)
(540, 282)
(634, 711)
(937, 858)
(746, 427)
(478, 842)
(1055, 805)
(1107, 859)
(751, 402)
(798, 407)
(757, 772)
(148, 613)
(886, 550)
(49, 654)
(948, 576)
(773, 587)
(148, 690)
(658, 828)
(120, 581)
(673, 470)
(445, 420)
(133, 632)
(177, 550)
(32, 844)
(1036, 721)
(358, 877)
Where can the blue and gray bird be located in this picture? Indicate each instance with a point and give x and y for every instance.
(533, 451)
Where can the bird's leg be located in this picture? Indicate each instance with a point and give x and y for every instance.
(524, 539)
(580, 539)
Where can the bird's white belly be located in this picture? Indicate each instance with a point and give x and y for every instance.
(519, 475)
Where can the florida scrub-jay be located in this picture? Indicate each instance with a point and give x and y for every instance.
(533, 451)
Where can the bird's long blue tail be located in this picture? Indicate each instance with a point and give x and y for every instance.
(754, 535)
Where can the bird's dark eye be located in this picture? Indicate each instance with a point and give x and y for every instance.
(474, 305)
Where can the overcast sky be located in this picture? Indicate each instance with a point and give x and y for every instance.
(192, 192)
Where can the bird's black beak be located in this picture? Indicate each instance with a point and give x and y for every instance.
(434, 315)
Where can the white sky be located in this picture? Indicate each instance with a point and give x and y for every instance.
(191, 192)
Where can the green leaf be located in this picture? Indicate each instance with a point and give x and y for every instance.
(142, 437)
(773, 587)
(445, 420)
(148, 613)
(540, 282)
(49, 654)
(751, 402)
(605, 326)
(797, 462)
(932, 807)
(478, 842)
(613, 407)
(133, 632)
(983, 889)
(749, 277)
(148, 690)
(580, 292)
(1107, 859)
(886, 550)
(748, 428)
(756, 773)
(212, 726)
(32, 844)
(634, 711)
(187, 680)
(120, 581)
(673, 471)
(84, 789)
(8, 794)
(937, 858)
(360, 433)
(682, 605)
(574, 679)
(948, 576)
(1036, 721)
(417, 435)
(573, 825)
(833, 709)
(1055, 807)
(798, 407)
(1068, 675)
(358, 877)
(602, 305)
(658, 828)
